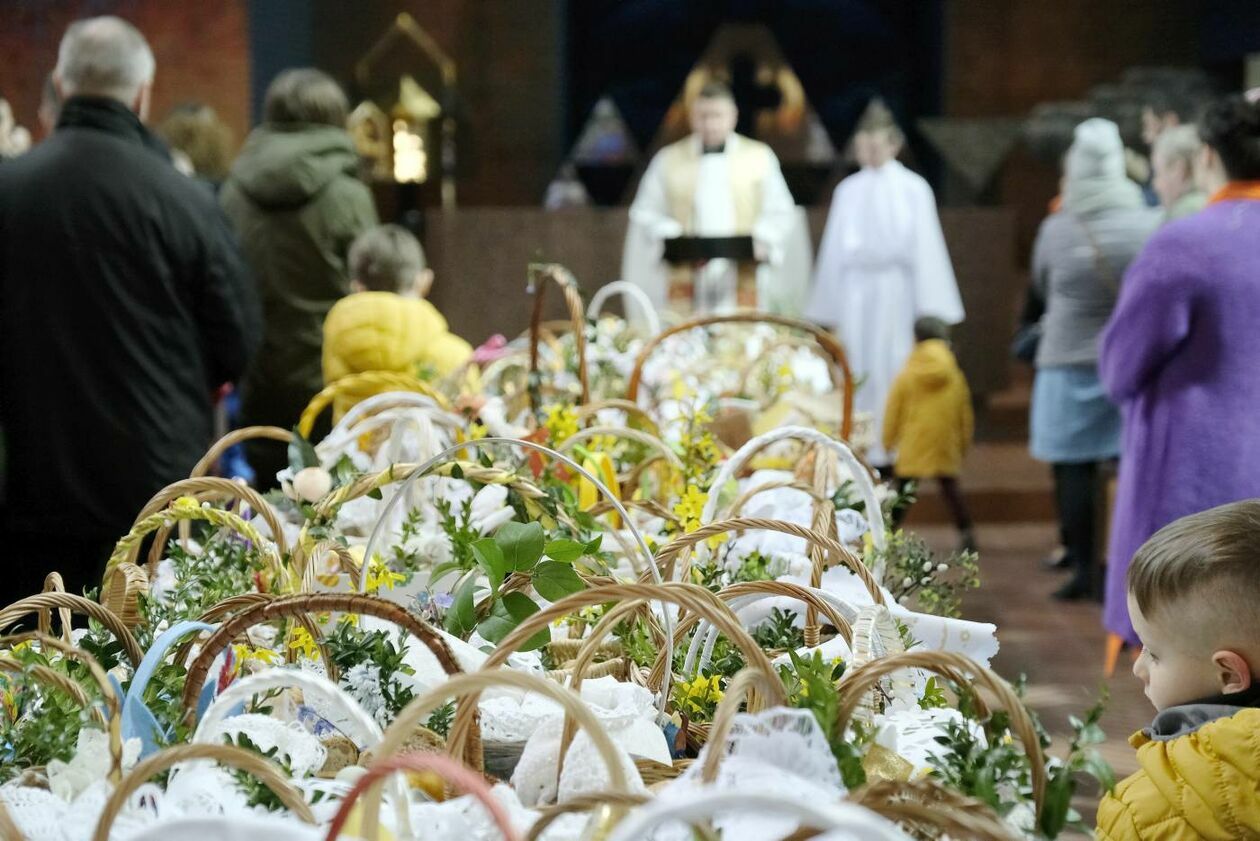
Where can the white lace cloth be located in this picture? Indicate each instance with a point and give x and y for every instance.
(302, 750)
(779, 752)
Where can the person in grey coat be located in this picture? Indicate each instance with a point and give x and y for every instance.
(1080, 255)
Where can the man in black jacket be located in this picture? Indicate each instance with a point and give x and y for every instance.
(124, 303)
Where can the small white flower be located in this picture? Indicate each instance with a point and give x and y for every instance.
(490, 509)
(927, 566)
(907, 581)
(942, 567)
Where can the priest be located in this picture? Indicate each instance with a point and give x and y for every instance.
(716, 183)
(882, 264)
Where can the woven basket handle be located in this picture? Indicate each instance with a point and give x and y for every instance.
(458, 775)
(668, 555)
(736, 693)
(742, 594)
(645, 438)
(967, 675)
(587, 411)
(237, 436)
(562, 277)
(127, 549)
(266, 771)
(53, 583)
(629, 291)
(467, 689)
(926, 805)
(606, 802)
(288, 607)
(378, 381)
(861, 473)
(366, 731)
(690, 597)
(75, 604)
(210, 486)
(828, 342)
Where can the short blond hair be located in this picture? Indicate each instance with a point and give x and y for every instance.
(1216, 551)
(386, 258)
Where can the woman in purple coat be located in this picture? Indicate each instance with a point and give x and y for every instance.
(1181, 357)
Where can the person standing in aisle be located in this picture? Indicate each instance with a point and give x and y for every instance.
(124, 303)
(297, 204)
(882, 264)
(1180, 356)
(1079, 256)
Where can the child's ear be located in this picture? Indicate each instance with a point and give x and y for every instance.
(1232, 671)
(424, 282)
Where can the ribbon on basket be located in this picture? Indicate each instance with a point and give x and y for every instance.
(138, 721)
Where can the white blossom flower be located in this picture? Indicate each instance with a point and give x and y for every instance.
(927, 566)
(490, 509)
(363, 683)
(942, 567)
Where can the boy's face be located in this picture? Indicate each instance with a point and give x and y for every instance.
(1176, 665)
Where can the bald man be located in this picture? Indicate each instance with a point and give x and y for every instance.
(123, 305)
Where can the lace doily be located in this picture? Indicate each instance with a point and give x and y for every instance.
(627, 712)
(301, 749)
(466, 818)
(780, 752)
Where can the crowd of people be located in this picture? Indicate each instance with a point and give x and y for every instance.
(145, 278)
(142, 276)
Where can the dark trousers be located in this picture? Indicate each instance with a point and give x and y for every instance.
(951, 490)
(1076, 497)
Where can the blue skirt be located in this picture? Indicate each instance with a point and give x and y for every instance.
(1072, 419)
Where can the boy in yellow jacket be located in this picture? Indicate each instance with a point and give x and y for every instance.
(928, 420)
(1194, 598)
(386, 325)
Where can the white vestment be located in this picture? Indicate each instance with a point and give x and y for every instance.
(778, 225)
(882, 263)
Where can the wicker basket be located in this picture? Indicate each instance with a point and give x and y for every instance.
(562, 277)
(363, 385)
(287, 607)
(841, 374)
(266, 771)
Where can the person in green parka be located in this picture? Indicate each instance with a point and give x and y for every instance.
(296, 202)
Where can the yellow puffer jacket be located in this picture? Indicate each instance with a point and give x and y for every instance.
(1201, 785)
(381, 331)
(928, 420)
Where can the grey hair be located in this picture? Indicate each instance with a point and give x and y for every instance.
(386, 258)
(104, 56)
(1180, 143)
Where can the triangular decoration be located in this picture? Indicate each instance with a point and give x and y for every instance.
(605, 139)
(973, 148)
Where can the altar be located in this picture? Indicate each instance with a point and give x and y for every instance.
(479, 256)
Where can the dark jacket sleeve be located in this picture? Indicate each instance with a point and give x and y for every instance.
(227, 309)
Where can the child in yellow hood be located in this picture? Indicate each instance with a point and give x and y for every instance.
(1194, 598)
(386, 325)
(928, 421)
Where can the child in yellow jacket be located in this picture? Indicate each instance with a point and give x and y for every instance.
(928, 420)
(1194, 599)
(386, 325)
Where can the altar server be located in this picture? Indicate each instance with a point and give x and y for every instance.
(882, 264)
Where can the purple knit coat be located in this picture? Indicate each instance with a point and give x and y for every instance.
(1181, 358)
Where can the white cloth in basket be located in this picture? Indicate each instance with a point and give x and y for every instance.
(627, 714)
(779, 752)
